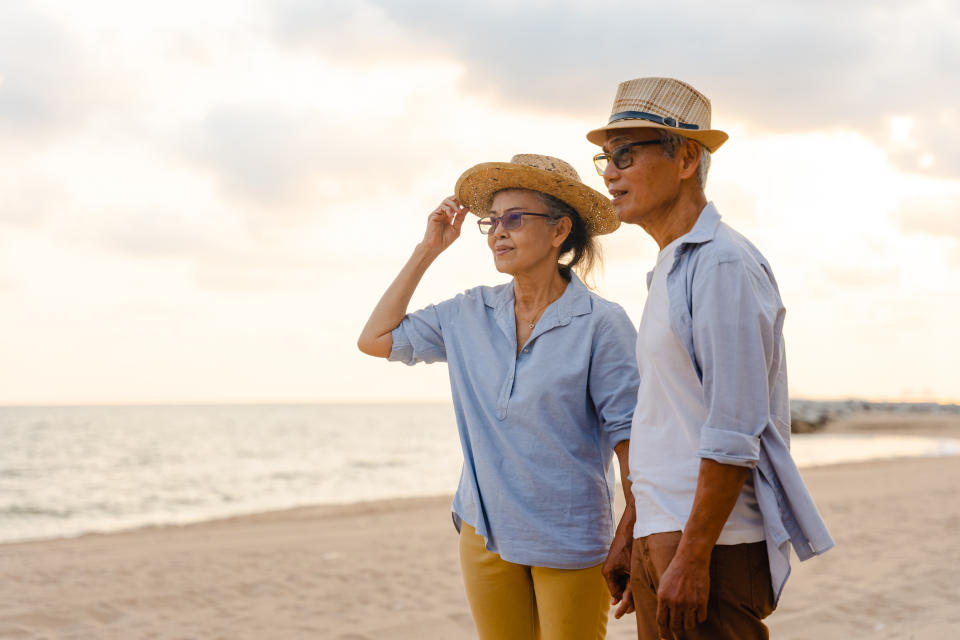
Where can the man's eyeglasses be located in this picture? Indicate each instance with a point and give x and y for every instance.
(622, 156)
(509, 221)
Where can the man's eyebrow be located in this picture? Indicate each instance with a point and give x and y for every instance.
(615, 142)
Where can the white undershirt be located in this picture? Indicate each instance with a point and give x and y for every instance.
(666, 427)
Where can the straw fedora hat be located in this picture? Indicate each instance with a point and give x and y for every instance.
(661, 103)
(553, 176)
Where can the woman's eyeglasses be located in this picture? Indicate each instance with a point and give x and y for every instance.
(622, 156)
(509, 221)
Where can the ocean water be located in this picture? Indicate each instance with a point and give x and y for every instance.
(70, 470)
(65, 471)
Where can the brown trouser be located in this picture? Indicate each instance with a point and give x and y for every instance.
(740, 592)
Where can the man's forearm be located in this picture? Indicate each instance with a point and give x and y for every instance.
(718, 487)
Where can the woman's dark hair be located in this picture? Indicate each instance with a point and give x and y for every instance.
(580, 243)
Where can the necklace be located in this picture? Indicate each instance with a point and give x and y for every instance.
(533, 321)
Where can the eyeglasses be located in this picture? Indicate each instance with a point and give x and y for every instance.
(509, 221)
(622, 156)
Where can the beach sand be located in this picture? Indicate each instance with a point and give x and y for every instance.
(389, 569)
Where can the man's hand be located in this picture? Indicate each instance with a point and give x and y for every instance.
(616, 570)
(682, 596)
(685, 585)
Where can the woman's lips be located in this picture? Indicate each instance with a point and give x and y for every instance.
(502, 250)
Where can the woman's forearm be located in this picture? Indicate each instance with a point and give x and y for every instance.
(443, 228)
(376, 339)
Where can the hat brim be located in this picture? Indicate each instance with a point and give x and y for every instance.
(710, 138)
(477, 185)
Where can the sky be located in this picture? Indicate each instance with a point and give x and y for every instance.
(202, 201)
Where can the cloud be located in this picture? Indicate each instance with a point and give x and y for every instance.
(785, 66)
(30, 199)
(258, 153)
(161, 233)
(859, 277)
(288, 164)
(354, 31)
(44, 86)
(937, 217)
(273, 268)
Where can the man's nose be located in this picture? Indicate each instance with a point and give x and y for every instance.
(610, 172)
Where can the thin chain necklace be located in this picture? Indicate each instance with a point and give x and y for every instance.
(533, 321)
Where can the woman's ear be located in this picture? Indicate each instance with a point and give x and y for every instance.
(561, 230)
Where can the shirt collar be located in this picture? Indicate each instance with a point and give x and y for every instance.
(705, 228)
(575, 300)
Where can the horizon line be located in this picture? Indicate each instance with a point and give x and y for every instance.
(395, 401)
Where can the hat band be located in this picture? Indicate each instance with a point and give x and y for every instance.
(652, 117)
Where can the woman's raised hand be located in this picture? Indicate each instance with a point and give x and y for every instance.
(443, 225)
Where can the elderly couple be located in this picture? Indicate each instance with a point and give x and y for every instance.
(549, 380)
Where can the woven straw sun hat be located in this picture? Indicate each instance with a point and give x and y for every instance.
(661, 103)
(552, 176)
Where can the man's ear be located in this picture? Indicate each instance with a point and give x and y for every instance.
(689, 155)
(561, 231)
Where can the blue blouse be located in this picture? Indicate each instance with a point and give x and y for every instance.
(537, 428)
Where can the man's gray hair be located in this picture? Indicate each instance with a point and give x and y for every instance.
(673, 141)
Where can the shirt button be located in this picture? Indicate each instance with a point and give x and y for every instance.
(526, 349)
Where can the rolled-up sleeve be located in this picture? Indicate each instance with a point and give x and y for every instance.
(736, 311)
(419, 338)
(613, 376)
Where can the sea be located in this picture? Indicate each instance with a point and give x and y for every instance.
(66, 471)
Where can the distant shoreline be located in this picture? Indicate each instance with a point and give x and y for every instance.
(845, 405)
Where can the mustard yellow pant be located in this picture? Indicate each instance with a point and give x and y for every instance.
(517, 602)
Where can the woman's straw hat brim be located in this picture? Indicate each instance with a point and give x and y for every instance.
(552, 176)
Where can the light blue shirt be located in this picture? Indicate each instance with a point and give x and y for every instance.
(725, 308)
(537, 428)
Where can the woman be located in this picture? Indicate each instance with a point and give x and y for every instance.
(544, 383)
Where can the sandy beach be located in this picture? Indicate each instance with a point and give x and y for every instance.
(389, 569)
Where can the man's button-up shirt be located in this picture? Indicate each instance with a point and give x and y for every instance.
(725, 309)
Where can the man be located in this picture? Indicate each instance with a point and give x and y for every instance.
(703, 552)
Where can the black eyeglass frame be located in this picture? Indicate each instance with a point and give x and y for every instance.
(622, 156)
(509, 221)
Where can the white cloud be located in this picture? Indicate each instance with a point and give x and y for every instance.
(43, 86)
(216, 193)
(782, 65)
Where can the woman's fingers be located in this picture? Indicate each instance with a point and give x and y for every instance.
(452, 211)
(458, 219)
(444, 223)
(453, 206)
